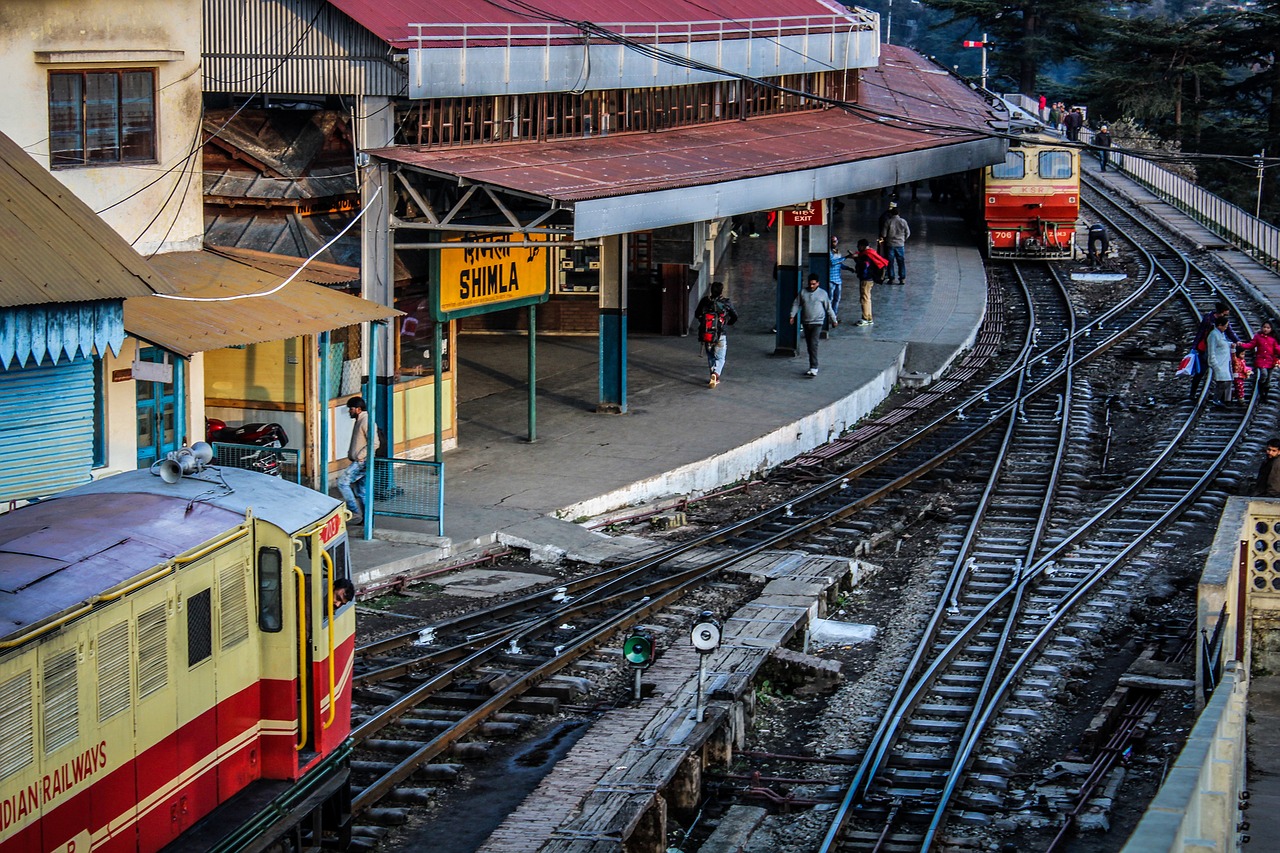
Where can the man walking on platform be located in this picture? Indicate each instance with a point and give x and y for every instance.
(362, 441)
(895, 234)
(814, 307)
(714, 315)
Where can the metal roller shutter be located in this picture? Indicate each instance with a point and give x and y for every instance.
(46, 428)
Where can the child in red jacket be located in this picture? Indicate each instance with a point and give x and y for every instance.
(1266, 350)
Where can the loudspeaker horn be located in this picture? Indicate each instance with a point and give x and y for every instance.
(170, 471)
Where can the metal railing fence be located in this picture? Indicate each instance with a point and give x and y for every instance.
(409, 488)
(1233, 223)
(287, 461)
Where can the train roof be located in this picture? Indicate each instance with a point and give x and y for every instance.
(59, 553)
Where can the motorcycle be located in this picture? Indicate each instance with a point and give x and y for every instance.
(264, 435)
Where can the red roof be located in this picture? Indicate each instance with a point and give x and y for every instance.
(907, 104)
(390, 19)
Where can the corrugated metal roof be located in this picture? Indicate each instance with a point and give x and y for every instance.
(896, 98)
(279, 233)
(316, 272)
(54, 248)
(293, 47)
(186, 328)
(390, 19)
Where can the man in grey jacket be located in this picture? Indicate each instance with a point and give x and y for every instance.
(814, 306)
(896, 232)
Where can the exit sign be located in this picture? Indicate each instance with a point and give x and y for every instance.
(803, 214)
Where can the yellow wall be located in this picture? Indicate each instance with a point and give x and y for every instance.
(259, 373)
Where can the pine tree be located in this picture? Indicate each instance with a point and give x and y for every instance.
(1030, 33)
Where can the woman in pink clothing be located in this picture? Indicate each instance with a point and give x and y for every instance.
(1266, 350)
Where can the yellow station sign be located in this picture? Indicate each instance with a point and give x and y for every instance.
(480, 277)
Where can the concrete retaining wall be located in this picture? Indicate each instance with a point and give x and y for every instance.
(1196, 808)
(745, 460)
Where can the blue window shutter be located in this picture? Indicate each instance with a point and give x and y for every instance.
(46, 428)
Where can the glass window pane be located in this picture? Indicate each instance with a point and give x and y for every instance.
(1013, 167)
(137, 116)
(66, 128)
(101, 117)
(1055, 164)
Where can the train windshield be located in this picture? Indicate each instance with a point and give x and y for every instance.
(1014, 166)
(1055, 164)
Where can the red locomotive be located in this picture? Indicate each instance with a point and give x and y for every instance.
(1032, 199)
(174, 669)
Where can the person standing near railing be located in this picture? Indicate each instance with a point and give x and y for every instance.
(1102, 139)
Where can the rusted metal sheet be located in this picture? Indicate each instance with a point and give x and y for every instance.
(906, 105)
(392, 20)
(315, 272)
(54, 248)
(218, 309)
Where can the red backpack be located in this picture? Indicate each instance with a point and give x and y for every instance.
(711, 323)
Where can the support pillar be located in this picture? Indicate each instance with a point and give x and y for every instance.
(791, 271)
(613, 325)
(684, 794)
(650, 834)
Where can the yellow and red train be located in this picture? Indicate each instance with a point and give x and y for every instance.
(174, 671)
(1031, 201)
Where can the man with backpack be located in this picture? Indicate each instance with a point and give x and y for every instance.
(712, 316)
(358, 456)
(869, 265)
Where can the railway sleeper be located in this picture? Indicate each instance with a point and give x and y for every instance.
(385, 816)
(938, 709)
(983, 803)
(527, 704)
(488, 728)
(906, 842)
(922, 758)
(412, 796)
(1030, 715)
(924, 779)
(995, 764)
(990, 781)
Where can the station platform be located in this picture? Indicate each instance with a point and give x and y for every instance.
(678, 436)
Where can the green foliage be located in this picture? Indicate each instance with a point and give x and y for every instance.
(1030, 33)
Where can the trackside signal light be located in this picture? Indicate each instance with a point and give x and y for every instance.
(975, 44)
(637, 649)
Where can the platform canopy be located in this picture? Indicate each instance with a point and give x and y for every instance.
(913, 121)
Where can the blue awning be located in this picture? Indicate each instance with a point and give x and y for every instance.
(60, 332)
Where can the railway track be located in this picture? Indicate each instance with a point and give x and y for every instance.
(1016, 571)
(1022, 568)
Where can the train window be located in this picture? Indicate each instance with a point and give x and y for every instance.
(61, 701)
(199, 627)
(1055, 164)
(16, 729)
(113, 671)
(1013, 167)
(270, 603)
(153, 650)
(233, 605)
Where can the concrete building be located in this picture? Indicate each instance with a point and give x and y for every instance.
(106, 97)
